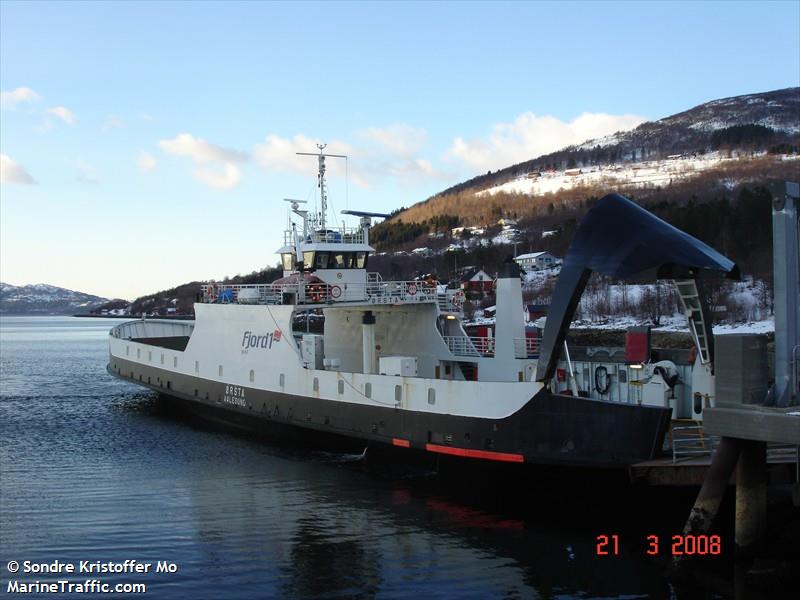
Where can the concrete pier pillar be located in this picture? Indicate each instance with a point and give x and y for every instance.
(708, 500)
(751, 496)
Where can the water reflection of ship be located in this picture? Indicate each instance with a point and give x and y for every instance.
(329, 564)
(314, 531)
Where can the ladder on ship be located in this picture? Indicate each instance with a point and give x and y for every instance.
(696, 312)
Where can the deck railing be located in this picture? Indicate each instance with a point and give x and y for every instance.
(485, 346)
(155, 328)
(469, 346)
(526, 347)
(341, 235)
(375, 291)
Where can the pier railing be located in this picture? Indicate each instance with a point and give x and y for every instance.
(692, 442)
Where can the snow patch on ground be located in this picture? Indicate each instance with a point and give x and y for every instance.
(649, 173)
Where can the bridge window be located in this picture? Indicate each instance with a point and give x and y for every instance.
(287, 258)
(340, 260)
(361, 260)
(321, 261)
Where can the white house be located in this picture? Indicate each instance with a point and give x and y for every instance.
(536, 260)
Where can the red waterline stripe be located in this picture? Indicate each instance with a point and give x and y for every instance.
(401, 443)
(485, 454)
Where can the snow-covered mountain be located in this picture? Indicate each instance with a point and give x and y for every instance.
(752, 122)
(45, 299)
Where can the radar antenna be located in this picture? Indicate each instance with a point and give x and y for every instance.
(323, 193)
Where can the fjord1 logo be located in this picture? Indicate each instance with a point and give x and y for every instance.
(251, 340)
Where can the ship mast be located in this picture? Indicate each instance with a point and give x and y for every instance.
(323, 193)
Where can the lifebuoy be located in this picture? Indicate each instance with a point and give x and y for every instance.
(336, 291)
(602, 381)
(411, 289)
(316, 292)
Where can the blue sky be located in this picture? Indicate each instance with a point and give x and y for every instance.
(147, 144)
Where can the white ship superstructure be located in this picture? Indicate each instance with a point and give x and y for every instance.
(392, 366)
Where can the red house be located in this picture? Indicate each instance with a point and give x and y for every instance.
(476, 280)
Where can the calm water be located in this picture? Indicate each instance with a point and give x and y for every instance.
(96, 469)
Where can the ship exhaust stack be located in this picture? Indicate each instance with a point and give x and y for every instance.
(368, 341)
(509, 317)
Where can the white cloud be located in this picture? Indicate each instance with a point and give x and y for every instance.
(381, 152)
(12, 172)
(18, 96)
(146, 162)
(399, 140)
(280, 154)
(62, 113)
(185, 144)
(220, 170)
(225, 179)
(529, 136)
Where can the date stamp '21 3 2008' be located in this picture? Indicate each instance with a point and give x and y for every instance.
(678, 545)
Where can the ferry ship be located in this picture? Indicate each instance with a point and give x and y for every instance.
(394, 367)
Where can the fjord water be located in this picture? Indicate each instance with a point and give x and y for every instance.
(95, 469)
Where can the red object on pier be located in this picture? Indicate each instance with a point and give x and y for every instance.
(637, 345)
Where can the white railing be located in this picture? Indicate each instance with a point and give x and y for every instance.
(451, 301)
(375, 291)
(469, 346)
(342, 235)
(485, 346)
(151, 329)
(526, 347)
